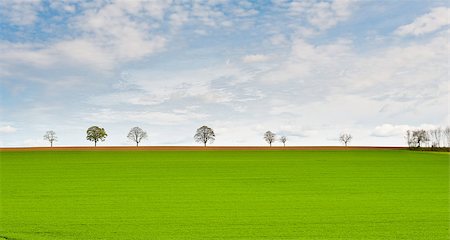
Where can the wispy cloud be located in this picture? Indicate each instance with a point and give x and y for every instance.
(390, 130)
(156, 118)
(255, 58)
(322, 14)
(436, 19)
(7, 129)
(20, 12)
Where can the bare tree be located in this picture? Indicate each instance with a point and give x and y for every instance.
(345, 138)
(409, 139)
(270, 137)
(420, 137)
(205, 134)
(435, 137)
(96, 134)
(447, 135)
(51, 137)
(283, 139)
(136, 134)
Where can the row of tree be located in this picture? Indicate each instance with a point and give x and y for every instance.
(271, 137)
(434, 138)
(203, 135)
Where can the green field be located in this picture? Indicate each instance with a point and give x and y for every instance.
(355, 194)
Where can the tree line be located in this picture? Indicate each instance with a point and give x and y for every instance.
(203, 135)
(434, 138)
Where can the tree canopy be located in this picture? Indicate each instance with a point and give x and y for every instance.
(345, 138)
(95, 134)
(136, 134)
(270, 137)
(204, 135)
(51, 137)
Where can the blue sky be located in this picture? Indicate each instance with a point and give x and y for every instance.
(309, 70)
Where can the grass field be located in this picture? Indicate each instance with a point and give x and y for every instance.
(359, 194)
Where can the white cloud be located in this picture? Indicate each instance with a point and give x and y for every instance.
(117, 29)
(24, 53)
(255, 58)
(64, 6)
(212, 85)
(207, 14)
(34, 142)
(389, 130)
(278, 39)
(436, 19)
(7, 129)
(310, 61)
(82, 51)
(178, 17)
(20, 12)
(108, 34)
(79, 52)
(407, 72)
(154, 117)
(240, 12)
(156, 9)
(295, 130)
(322, 14)
(411, 72)
(130, 97)
(201, 32)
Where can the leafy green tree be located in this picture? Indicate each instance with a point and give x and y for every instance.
(95, 134)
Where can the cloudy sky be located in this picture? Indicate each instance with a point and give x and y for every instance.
(305, 69)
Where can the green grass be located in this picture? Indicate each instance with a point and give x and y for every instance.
(383, 194)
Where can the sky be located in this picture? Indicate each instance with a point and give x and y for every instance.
(308, 70)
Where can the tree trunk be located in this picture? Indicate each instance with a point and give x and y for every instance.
(284, 144)
(51, 144)
(270, 144)
(95, 143)
(204, 143)
(137, 144)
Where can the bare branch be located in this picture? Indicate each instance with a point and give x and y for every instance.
(345, 138)
(283, 139)
(416, 138)
(270, 137)
(136, 134)
(51, 137)
(447, 135)
(204, 135)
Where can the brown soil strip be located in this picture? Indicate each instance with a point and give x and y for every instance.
(194, 148)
